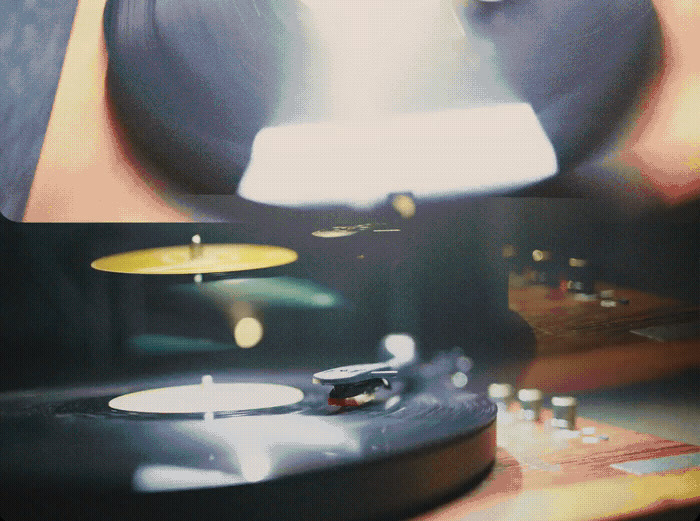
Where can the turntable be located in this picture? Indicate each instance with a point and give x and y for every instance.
(401, 433)
(376, 440)
(273, 450)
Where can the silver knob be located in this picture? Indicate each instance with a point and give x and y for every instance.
(564, 412)
(531, 404)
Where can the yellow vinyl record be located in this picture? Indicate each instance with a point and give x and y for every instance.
(193, 259)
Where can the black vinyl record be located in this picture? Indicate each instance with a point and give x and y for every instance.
(193, 82)
(68, 455)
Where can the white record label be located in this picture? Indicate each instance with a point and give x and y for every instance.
(208, 397)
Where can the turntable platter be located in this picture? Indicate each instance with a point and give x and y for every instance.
(73, 454)
(191, 260)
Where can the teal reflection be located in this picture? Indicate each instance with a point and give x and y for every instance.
(270, 291)
(163, 344)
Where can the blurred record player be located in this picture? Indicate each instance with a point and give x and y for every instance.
(75, 453)
(374, 440)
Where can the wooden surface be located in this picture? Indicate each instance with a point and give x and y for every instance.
(563, 324)
(583, 346)
(610, 366)
(541, 475)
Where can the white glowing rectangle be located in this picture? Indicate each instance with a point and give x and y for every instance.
(430, 154)
(160, 478)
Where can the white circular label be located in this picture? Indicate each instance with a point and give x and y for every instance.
(208, 397)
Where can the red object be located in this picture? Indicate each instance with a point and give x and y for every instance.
(351, 401)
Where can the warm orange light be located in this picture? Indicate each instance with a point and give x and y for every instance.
(404, 205)
(247, 332)
(508, 251)
(541, 255)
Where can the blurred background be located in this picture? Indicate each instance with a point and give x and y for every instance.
(494, 276)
